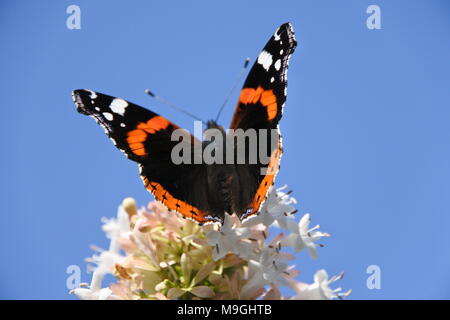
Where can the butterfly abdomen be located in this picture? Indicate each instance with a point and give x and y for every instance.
(219, 187)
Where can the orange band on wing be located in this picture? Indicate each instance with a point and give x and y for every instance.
(154, 124)
(266, 97)
(172, 203)
(137, 137)
(267, 182)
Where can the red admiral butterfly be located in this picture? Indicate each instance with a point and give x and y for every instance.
(203, 192)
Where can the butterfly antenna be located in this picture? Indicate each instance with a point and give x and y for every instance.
(173, 106)
(247, 60)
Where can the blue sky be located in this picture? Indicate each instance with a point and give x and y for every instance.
(366, 128)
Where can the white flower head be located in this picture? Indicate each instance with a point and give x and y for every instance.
(107, 259)
(304, 237)
(320, 289)
(229, 239)
(89, 294)
(277, 210)
(269, 269)
(116, 227)
(156, 255)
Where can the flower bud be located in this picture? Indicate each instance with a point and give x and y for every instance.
(129, 204)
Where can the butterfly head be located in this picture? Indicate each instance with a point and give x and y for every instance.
(211, 124)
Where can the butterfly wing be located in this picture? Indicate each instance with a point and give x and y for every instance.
(263, 95)
(260, 106)
(146, 138)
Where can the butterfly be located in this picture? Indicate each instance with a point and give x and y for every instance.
(204, 192)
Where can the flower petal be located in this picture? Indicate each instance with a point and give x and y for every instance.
(203, 292)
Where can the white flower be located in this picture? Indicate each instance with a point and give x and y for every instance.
(115, 227)
(302, 237)
(269, 269)
(277, 210)
(101, 294)
(107, 259)
(229, 239)
(320, 289)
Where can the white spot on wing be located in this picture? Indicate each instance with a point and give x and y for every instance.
(276, 35)
(272, 79)
(277, 64)
(93, 95)
(265, 59)
(118, 106)
(122, 125)
(108, 116)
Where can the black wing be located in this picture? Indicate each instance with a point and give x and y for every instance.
(260, 106)
(145, 137)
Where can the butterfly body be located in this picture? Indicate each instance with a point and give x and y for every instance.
(198, 188)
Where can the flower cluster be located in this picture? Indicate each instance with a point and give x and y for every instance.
(154, 254)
